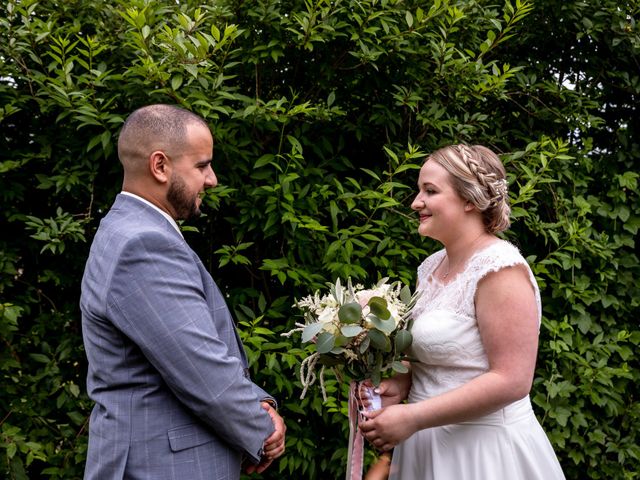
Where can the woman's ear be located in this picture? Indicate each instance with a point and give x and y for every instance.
(160, 166)
(469, 206)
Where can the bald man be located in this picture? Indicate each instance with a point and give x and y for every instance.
(167, 369)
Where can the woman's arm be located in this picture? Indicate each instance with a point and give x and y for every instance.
(507, 318)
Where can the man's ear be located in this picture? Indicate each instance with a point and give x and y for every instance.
(160, 166)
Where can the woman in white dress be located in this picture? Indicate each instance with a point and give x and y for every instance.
(475, 339)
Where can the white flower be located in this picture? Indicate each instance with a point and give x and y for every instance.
(326, 314)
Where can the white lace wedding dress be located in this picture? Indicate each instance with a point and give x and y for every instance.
(506, 445)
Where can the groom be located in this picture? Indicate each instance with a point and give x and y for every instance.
(166, 369)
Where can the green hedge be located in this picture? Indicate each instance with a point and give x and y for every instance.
(322, 112)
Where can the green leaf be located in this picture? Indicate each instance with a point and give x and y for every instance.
(403, 340)
(176, 82)
(378, 306)
(365, 344)
(350, 313)
(39, 357)
(351, 330)
(386, 326)
(265, 159)
(74, 389)
(399, 367)
(376, 378)
(311, 330)
(409, 19)
(405, 295)
(325, 342)
(77, 417)
(331, 98)
(379, 340)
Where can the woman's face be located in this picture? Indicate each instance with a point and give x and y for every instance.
(441, 209)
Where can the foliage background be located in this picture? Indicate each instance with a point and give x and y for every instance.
(322, 112)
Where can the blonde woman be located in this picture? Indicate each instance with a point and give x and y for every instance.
(475, 329)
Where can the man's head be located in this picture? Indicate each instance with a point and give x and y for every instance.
(166, 154)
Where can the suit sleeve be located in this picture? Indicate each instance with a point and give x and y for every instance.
(158, 300)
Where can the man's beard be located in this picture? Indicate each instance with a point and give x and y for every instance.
(184, 205)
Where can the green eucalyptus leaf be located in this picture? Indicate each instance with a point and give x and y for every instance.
(386, 326)
(379, 340)
(399, 367)
(378, 306)
(351, 330)
(325, 342)
(405, 295)
(350, 313)
(365, 344)
(338, 292)
(403, 340)
(311, 330)
(376, 377)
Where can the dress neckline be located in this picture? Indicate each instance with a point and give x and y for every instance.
(454, 278)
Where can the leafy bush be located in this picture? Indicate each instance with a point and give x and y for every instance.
(322, 113)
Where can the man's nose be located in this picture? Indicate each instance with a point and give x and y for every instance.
(211, 180)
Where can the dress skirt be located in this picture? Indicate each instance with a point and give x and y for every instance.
(506, 445)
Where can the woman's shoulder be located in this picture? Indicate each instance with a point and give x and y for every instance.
(496, 256)
(500, 253)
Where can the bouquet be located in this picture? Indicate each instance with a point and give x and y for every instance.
(362, 331)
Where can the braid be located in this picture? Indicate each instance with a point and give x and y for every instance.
(479, 177)
(496, 187)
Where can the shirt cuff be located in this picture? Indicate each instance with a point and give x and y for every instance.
(271, 402)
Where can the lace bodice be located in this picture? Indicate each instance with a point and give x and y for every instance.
(447, 348)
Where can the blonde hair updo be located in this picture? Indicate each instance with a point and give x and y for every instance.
(479, 177)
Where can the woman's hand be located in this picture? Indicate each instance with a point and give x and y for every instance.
(387, 427)
(392, 390)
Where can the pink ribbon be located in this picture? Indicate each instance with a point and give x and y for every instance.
(355, 455)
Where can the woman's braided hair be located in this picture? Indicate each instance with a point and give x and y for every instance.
(479, 177)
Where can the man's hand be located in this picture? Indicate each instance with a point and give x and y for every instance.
(274, 445)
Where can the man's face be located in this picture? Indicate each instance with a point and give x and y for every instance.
(192, 174)
(184, 203)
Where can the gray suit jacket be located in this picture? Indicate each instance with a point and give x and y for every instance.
(166, 366)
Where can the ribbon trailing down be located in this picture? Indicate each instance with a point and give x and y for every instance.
(355, 455)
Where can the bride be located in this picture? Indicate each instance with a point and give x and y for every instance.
(475, 331)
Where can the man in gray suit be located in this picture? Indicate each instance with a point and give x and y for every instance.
(167, 369)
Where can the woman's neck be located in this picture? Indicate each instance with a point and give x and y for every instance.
(462, 248)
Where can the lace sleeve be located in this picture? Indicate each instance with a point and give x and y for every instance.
(492, 259)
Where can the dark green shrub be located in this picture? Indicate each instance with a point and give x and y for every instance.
(322, 113)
